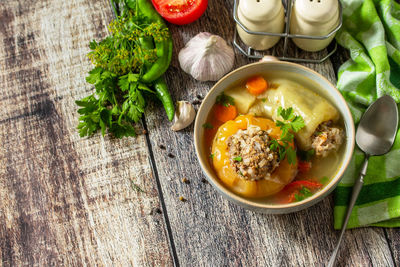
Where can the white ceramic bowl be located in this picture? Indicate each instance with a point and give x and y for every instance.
(323, 88)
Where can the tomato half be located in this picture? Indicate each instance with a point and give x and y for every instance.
(180, 11)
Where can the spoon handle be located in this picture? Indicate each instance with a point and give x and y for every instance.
(356, 191)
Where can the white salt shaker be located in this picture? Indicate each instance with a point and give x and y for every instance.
(260, 16)
(315, 18)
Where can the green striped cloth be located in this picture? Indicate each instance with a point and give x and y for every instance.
(371, 31)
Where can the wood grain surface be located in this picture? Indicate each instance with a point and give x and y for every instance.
(210, 231)
(67, 201)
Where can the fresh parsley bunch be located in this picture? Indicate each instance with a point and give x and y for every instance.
(120, 60)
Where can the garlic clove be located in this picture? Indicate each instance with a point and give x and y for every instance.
(184, 115)
(206, 57)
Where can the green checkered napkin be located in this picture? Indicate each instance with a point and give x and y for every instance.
(371, 31)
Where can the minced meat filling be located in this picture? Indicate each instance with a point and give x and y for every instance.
(250, 155)
(326, 139)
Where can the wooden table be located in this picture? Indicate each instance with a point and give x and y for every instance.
(69, 201)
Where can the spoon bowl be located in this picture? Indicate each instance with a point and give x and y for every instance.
(378, 127)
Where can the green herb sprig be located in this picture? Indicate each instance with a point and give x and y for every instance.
(304, 193)
(290, 124)
(208, 125)
(120, 61)
(225, 100)
(237, 159)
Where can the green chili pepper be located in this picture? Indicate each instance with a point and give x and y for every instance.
(147, 10)
(164, 54)
(163, 48)
(160, 84)
(162, 93)
(146, 43)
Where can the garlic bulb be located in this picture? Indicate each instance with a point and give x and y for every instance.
(184, 115)
(206, 57)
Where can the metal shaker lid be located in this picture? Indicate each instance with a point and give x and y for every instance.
(260, 10)
(317, 10)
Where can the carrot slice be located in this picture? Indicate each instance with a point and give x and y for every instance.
(225, 113)
(256, 85)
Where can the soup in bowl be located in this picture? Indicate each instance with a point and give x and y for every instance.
(274, 137)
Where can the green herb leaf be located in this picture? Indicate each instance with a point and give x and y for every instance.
(298, 197)
(297, 124)
(238, 158)
(211, 156)
(291, 155)
(225, 100)
(304, 193)
(208, 125)
(274, 145)
(292, 122)
(286, 114)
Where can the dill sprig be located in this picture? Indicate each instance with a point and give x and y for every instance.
(121, 53)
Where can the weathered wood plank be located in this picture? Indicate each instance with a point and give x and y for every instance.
(66, 201)
(393, 236)
(210, 231)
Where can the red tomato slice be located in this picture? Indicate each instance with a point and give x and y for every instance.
(180, 11)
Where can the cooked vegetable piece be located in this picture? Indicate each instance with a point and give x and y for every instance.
(243, 99)
(313, 108)
(281, 176)
(225, 113)
(256, 85)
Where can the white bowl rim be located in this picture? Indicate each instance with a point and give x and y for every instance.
(247, 201)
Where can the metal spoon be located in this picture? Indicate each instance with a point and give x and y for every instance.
(375, 136)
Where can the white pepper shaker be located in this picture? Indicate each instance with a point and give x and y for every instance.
(260, 16)
(315, 18)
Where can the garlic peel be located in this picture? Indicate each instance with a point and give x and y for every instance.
(184, 115)
(206, 57)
